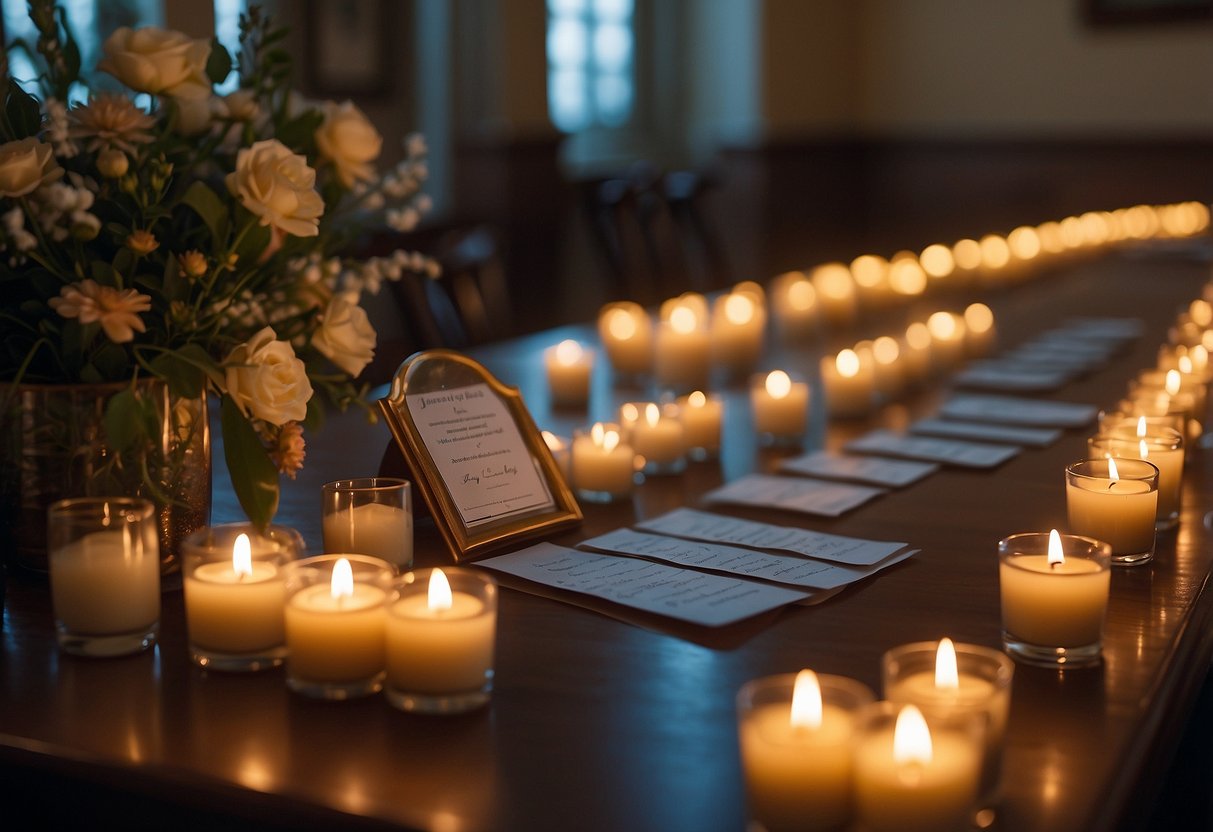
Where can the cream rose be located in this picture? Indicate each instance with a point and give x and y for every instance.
(266, 380)
(278, 187)
(26, 164)
(158, 61)
(345, 336)
(348, 139)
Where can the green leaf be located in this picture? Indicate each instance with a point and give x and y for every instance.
(253, 244)
(122, 420)
(300, 133)
(186, 370)
(219, 64)
(207, 205)
(22, 111)
(254, 477)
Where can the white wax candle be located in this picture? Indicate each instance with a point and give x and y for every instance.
(657, 435)
(683, 354)
(916, 796)
(627, 336)
(887, 367)
(234, 612)
(105, 583)
(1058, 605)
(797, 777)
(917, 352)
(335, 639)
(701, 419)
(738, 327)
(1169, 461)
(439, 651)
(980, 332)
(836, 295)
(947, 339)
(602, 462)
(375, 529)
(780, 405)
(569, 366)
(1119, 512)
(849, 384)
(795, 304)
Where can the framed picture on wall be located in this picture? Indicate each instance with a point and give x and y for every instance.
(348, 44)
(1120, 12)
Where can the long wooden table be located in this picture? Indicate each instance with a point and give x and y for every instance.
(600, 724)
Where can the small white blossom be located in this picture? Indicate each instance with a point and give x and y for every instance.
(58, 129)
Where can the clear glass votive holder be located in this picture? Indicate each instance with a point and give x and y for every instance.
(780, 406)
(235, 592)
(1115, 500)
(798, 776)
(441, 632)
(103, 555)
(982, 688)
(917, 771)
(702, 416)
(370, 516)
(603, 464)
(656, 435)
(1164, 448)
(335, 625)
(1053, 613)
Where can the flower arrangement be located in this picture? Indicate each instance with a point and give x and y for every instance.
(155, 229)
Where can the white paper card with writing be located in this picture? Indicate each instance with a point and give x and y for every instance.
(986, 432)
(873, 470)
(1015, 410)
(479, 453)
(1012, 377)
(720, 528)
(826, 499)
(746, 563)
(683, 594)
(948, 451)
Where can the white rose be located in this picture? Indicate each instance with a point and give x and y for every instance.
(26, 164)
(264, 378)
(154, 60)
(279, 187)
(348, 140)
(345, 336)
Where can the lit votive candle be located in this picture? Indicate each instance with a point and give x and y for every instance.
(103, 555)
(947, 340)
(657, 439)
(369, 516)
(941, 679)
(794, 301)
(836, 295)
(796, 734)
(917, 353)
(603, 465)
(1115, 501)
(916, 773)
(441, 628)
(1054, 591)
(561, 453)
(738, 329)
(627, 337)
(335, 624)
(980, 332)
(569, 366)
(701, 416)
(887, 366)
(871, 275)
(235, 591)
(780, 407)
(848, 383)
(683, 353)
(1162, 447)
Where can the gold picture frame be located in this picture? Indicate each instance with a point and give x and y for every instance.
(475, 454)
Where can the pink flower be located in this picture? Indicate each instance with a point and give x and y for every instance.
(116, 310)
(288, 452)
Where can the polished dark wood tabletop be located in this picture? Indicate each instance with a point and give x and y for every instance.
(600, 724)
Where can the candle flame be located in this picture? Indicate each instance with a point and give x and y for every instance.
(1141, 426)
(439, 591)
(242, 555)
(779, 384)
(847, 363)
(596, 433)
(942, 325)
(1172, 383)
(610, 440)
(1056, 555)
(342, 585)
(1113, 474)
(683, 320)
(1143, 449)
(697, 399)
(652, 414)
(629, 413)
(738, 309)
(802, 295)
(552, 440)
(568, 352)
(918, 336)
(978, 317)
(947, 676)
(806, 701)
(911, 738)
(621, 325)
(1185, 364)
(885, 350)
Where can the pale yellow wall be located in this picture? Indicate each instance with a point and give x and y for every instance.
(1033, 68)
